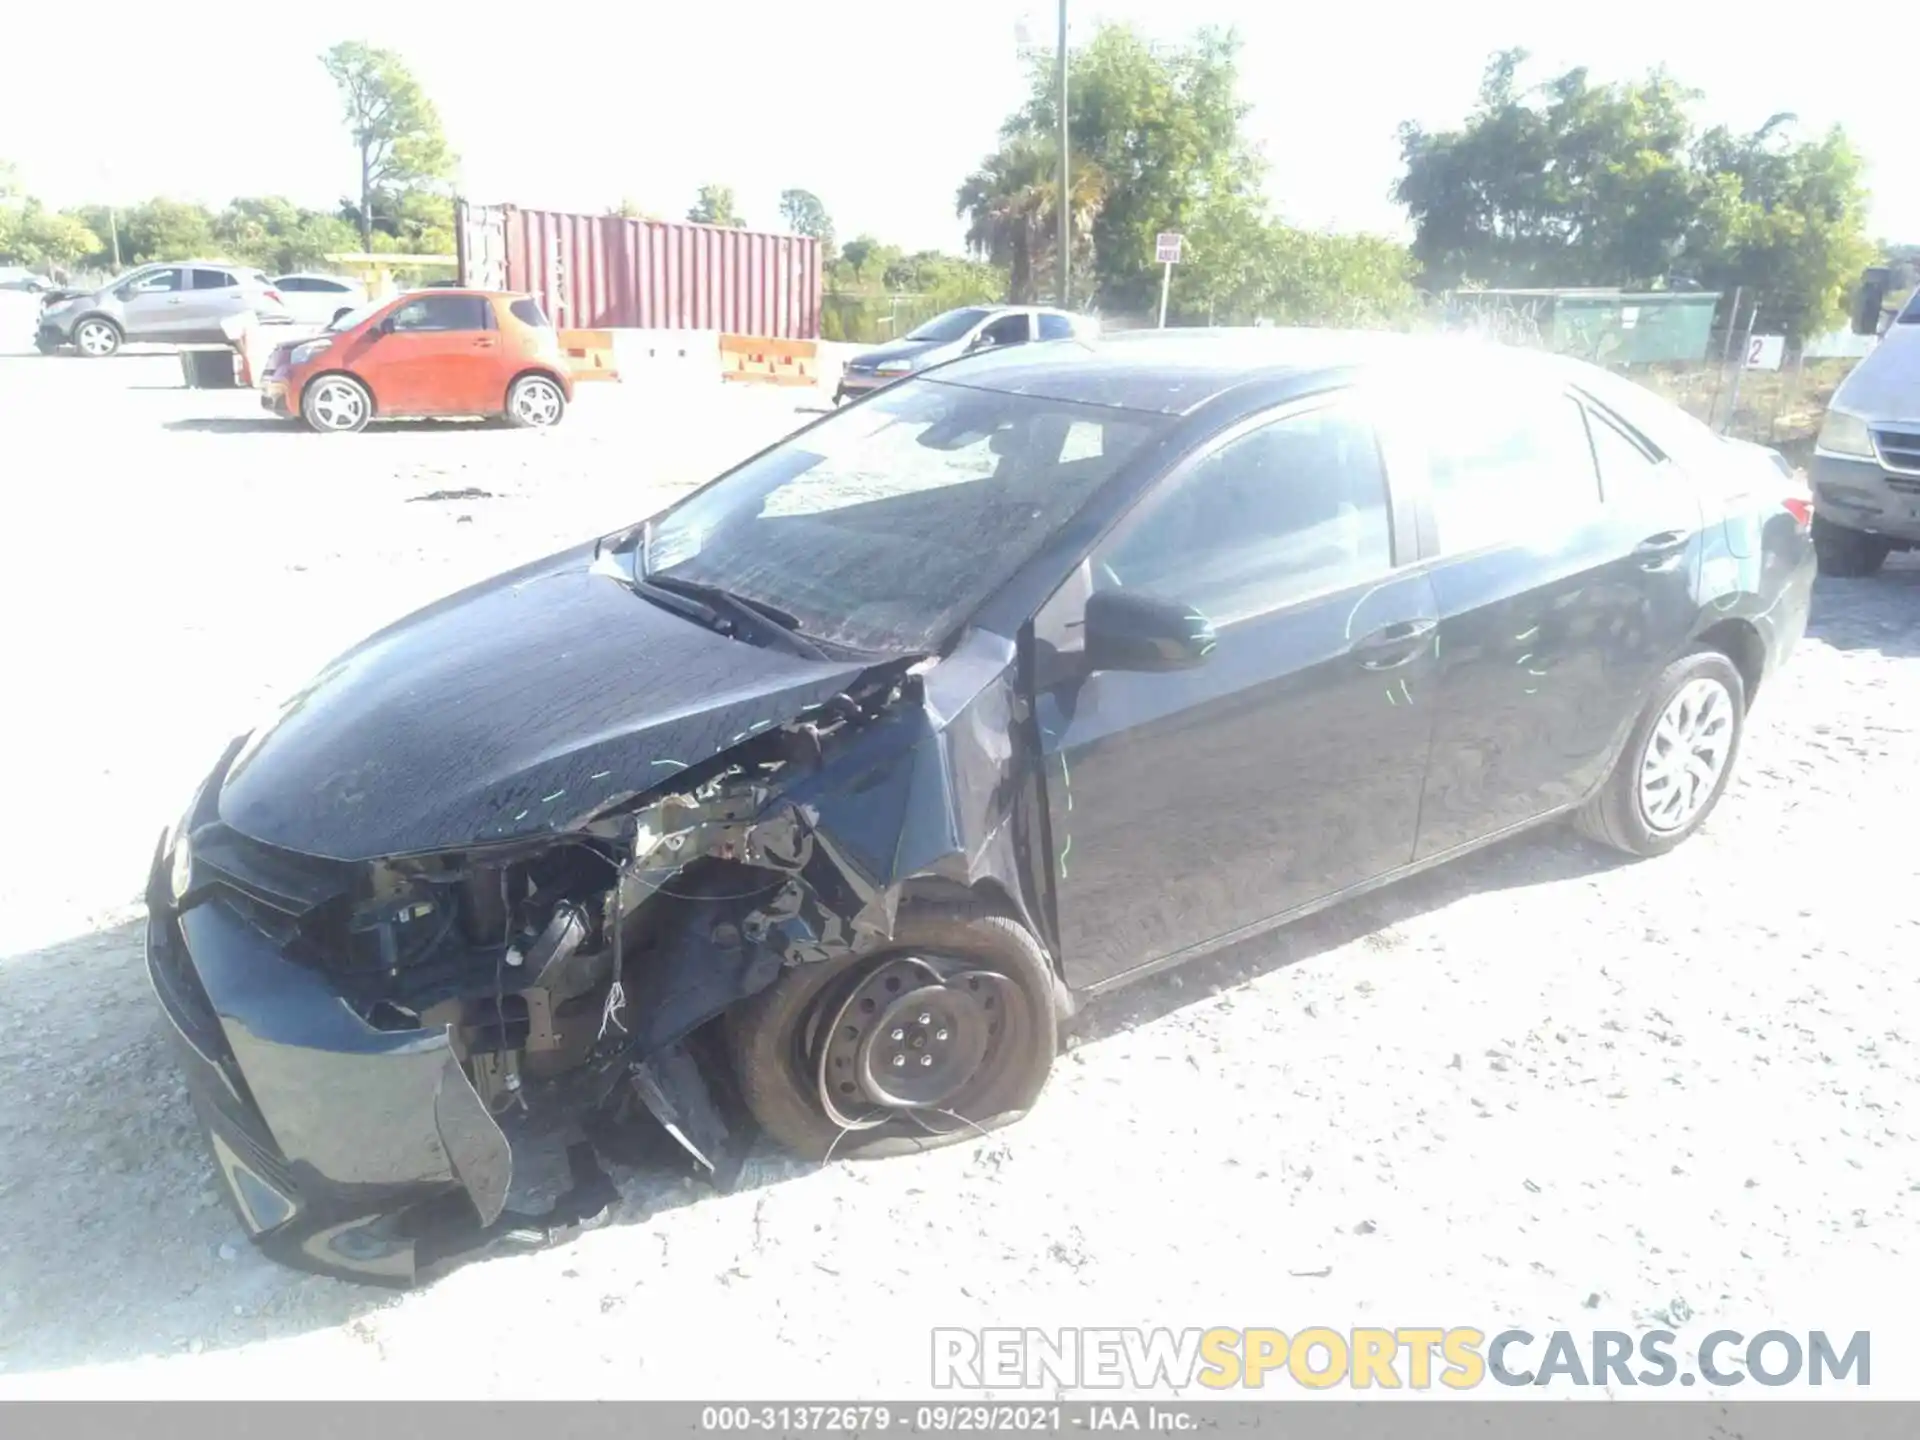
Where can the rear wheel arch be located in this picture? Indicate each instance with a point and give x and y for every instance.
(545, 372)
(1739, 640)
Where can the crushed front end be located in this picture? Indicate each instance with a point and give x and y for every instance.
(355, 1033)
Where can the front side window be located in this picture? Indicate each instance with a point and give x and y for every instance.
(1504, 466)
(886, 525)
(159, 282)
(1007, 330)
(949, 326)
(440, 313)
(1294, 508)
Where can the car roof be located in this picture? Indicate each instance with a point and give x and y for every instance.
(1174, 372)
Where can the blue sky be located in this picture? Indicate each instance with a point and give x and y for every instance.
(880, 109)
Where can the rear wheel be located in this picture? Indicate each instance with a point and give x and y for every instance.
(1847, 554)
(336, 404)
(949, 1032)
(535, 402)
(96, 338)
(1677, 761)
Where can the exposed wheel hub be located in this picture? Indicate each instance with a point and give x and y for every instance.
(909, 1038)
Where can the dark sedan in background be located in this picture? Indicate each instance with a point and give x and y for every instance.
(966, 331)
(812, 804)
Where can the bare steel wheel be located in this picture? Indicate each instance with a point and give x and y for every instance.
(96, 338)
(949, 1033)
(535, 402)
(336, 404)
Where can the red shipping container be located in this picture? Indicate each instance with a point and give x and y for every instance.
(602, 272)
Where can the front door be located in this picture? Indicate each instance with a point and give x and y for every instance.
(439, 355)
(1559, 604)
(154, 305)
(1287, 766)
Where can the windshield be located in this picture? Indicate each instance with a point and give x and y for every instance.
(355, 317)
(950, 326)
(885, 526)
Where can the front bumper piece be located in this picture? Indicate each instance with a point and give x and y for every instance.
(1866, 495)
(344, 1149)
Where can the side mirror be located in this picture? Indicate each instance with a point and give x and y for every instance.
(1125, 631)
(982, 341)
(1871, 300)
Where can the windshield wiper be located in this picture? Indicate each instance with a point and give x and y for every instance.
(757, 614)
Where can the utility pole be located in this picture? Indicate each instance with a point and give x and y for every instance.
(1065, 206)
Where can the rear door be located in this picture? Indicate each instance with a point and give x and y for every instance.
(154, 305)
(1560, 601)
(211, 296)
(438, 355)
(1185, 806)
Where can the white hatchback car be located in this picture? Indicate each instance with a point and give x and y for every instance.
(319, 299)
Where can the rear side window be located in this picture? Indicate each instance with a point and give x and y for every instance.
(1507, 466)
(294, 285)
(213, 280)
(1055, 327)
(528, 312)
(1625, 469)
(443, 312)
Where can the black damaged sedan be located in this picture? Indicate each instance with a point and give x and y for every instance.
(813, 804)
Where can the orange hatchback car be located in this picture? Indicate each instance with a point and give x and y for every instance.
(433, 352)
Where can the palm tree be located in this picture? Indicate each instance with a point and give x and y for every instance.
(1011, 205)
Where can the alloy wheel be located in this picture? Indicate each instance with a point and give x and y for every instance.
(96, 338)
(1686, 754)
(537, 402)
(337, 405)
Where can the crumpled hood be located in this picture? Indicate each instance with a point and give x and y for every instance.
(510, 710)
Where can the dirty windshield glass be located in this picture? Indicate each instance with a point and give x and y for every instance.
(950, 326)
(886, 525)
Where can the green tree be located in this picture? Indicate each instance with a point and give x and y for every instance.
(1784, 221)
(53, 238)
(1573, 183)
(1569, 183)
(715, 207)
(157, 229)
(806, 215)
(1012, 208)
(630, 209)
(1160, 129)
(394, 126)
(277, 235)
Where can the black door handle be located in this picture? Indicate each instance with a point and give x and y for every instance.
(1394, 644)
(1663, 551)
(1665, 543)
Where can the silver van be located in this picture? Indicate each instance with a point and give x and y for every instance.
(177, 303)
(1866, 463)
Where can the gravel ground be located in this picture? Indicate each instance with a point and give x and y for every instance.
(1539, 1087)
